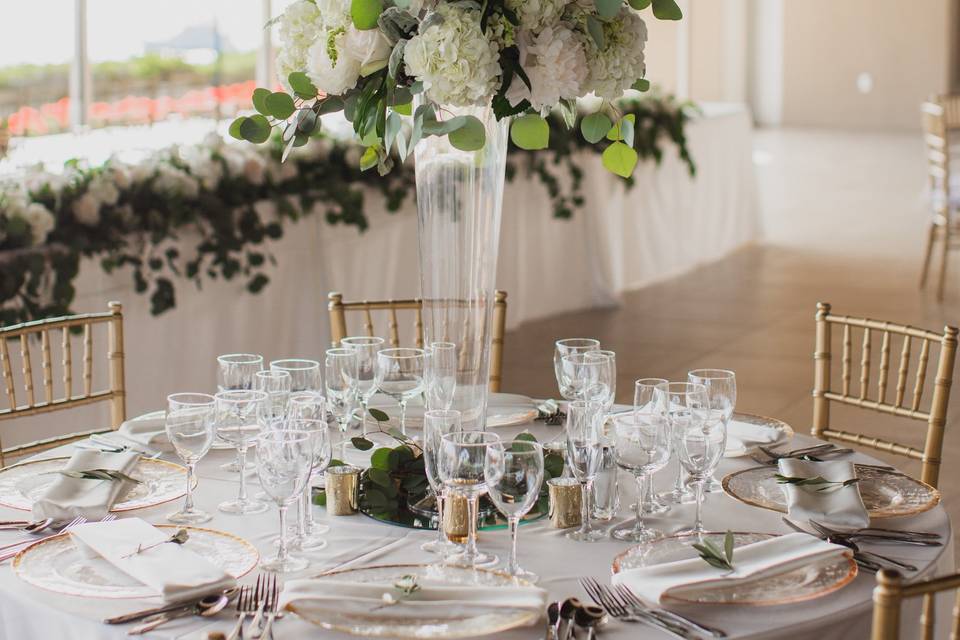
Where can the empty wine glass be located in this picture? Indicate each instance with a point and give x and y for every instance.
(240, 415)
(588, 376)
(341, 369)
(436, 424)
(462, 460)
(642, 447)
(304, 374)
(189, 423)
(400, 375)
(366, 348)
(307, 404)
(721, 386)
(309, 533)
(681, 492)
(283, 464)
(441, 375)
(644, 408)
(584, 447)
(566, 347)
(608, 377)
(514, 475)
(276, 384)
(235, 372)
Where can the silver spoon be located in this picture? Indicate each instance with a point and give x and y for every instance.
(205, 607)
(28, 526)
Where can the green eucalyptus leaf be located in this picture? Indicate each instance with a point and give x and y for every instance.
(234, 130)
(623, 130)
(320, 499)
(378, 415)
(594, 127)
(381, 458)
(331, 104)
(394, 122)
(530, 132)
(620, 159)
(666, 10)
(302, 85)
(260, 101)
(369, 158)
(255, 129)
(641, 85)
(469, 137)
(307, 121)
(279, 105)
(595, 29)
(336, 462)
(608, 8)
(365, 13)
(397, 434)
(396, 59)
(553, 464)
(639, 4)
(405, 109)
(361, 444)
(375, 499)
(380, 477)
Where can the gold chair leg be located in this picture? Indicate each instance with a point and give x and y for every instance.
(927, 254)
(943, 264)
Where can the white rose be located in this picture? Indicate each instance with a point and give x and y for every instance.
(86, 209)
(332, 75)
(369, 47)
(41, 221)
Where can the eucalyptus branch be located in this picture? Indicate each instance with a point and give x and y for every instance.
(98, 474)
(818, 483)
(716, 557)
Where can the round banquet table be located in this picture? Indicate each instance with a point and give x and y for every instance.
(27, 612)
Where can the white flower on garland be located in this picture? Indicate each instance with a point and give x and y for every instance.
(454, 59)
(41, 222)
(556, 65)
(533, 14)
(299, 27)
(103, 190)
(86, 209)
(328, 67)
(620, 63)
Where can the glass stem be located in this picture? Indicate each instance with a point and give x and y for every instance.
(282, 553)
(513, 567)
(307, 511)
(698, 523)
(363, 416)
(641, 485)
(242, 463)
(649, 495)
(678, 486)
(188, 501)
(472, 507)
(403, 417)
(343, 438)
(441, 536)
(586, 506)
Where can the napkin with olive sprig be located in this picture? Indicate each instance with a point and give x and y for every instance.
(827, 492)
(89, 485)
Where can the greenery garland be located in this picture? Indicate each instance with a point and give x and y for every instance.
(205, 212)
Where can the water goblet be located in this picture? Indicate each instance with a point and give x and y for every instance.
(588, 377)
(566, 347)
(190, 425)
(608, 377)
(283, 464)
(584, 447)
(366, 348)
(436, 424)
(400, 375)
(644, 408)
(341, 384)
(307, 404)
(441, 375)
(514, 475)
(240, 415)
(461, 464)
(642, 447)
(721, 386)
(304, 374)
(276, 384)
(309, 533)
(235, 372)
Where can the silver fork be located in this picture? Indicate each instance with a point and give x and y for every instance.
(76, 521)
(612, 605)
(636, 603)
(272, 595)
(245, 607)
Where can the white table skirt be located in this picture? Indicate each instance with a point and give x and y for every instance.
(27, 613)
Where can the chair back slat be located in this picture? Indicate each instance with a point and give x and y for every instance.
(847, 350)
(8, 374)
(865, 365)
(67, 364)
(87, 360)
(47, 366)
(418, 326)
(392, 328)
(903, 370)
(883, 372)
(892, 590)
(928, 617)
(921, 375)
(27, 368)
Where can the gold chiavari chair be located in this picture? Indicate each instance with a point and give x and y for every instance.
(43, 332)
(338, 324)
(936, 128)
(824, 393)
(890, 593)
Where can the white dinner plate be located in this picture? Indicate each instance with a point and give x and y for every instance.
(503, 410)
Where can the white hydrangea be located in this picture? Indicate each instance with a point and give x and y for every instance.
(300, 25)
(103, 190)
(533, 14)
(620, 63)
(171, 181)
(86, 209)
(456, 62)
(555, 63)
(199, 160)
(334, 14)
(41, 222)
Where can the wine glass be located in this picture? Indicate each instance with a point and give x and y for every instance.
(698, 437)
(304, 374)
(566, 347)
(276, 384)
(436, 424)
(721, 386)
(341, 367)
(240, 415)
(514, 475)
(462, 460)
(235, 372)
(642, 447)
(189, 424)
(441, 378)
(309, 533)
(307, 404)
(588, 376)
(584, 447)
(400, 375)
(366, 348)
(681, 492)
(283, 464)
(644, 408)
(608, 377)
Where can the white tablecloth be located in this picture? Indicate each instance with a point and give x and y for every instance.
(28, 613)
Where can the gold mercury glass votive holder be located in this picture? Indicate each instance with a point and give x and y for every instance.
(565, 506)
(455, 518)
(343, 490)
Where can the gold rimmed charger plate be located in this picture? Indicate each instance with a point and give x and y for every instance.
(160, 482)
(56, 565)
(885, 494)
(503, 410)
(382, 625)
(815, 580)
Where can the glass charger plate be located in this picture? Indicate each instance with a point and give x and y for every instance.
(160, 482)
(490, 518)
(886, 494)
(815, 580)
(503, 410)
(384, 623)
(783, 432)
(56, 565)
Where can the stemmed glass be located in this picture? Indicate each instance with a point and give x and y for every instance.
(436, 424)
(644, 408)
(235, 372)
(699, 438)
(309, 533)
(308, 405)
(441, 383)
(400, 375)
(341, 381)
(189, 424)
(514, 475)
(283, 464)
(304, 374)
(584, 447)
(366, 348)
(239, 418)
(276, 384)
(588, 376)
(608, 377)
(642, 447)
(721, 386)
(567, 347)
(462, 460)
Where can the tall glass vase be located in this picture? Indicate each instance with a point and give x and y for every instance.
(459, 200)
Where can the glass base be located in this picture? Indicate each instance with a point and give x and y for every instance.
(312, 542)
(651, 509)
(464, 559)
(628, 532)
(233, 466)
(712, 485)
(695, 535)
(590, 535)
(673, 496)
(436, 546)
(189, 516)
(523, 574)
(284, 565)
(243, 507)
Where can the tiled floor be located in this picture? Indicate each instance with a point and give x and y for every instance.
(844, 218)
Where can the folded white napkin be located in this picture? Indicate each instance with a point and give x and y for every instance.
(743, 436)
(842, 507)
(149, 432)
(176, 572)
(686, 579)
(430, 601)
(68, 498)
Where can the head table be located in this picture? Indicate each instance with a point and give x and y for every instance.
(27, 612)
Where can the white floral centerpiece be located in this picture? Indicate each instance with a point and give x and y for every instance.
(523, 58)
